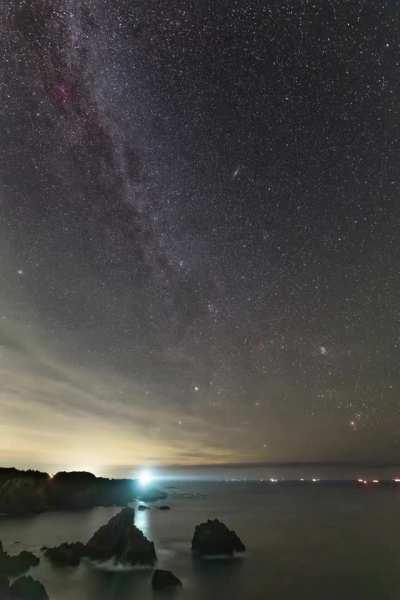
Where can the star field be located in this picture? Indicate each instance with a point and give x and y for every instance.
(199, 231)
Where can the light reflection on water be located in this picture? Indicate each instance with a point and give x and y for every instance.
(142, 521)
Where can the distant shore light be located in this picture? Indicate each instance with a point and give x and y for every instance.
(145, 478)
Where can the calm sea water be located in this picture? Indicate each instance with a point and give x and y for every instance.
(312, 543)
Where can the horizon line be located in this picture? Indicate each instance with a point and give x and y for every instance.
(231, 465)
(282, 464)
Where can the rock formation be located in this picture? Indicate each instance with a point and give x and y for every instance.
(164, 579)
(66, 555)
(12, 566)
(120, 540)
(214, 538)
(24, 588)
(27, 588)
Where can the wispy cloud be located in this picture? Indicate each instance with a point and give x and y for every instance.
(55, 412)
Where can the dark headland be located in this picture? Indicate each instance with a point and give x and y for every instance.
(29, 492)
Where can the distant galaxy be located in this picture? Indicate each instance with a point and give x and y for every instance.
(199, 232)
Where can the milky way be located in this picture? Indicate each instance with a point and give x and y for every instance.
(199, 232)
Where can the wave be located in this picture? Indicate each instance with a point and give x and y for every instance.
(117, 567)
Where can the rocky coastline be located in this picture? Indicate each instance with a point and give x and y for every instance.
(25, 493)
(32, 492)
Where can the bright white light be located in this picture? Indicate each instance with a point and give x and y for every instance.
(273, 480)
(397, 480)
(375, 481)
(145, 478)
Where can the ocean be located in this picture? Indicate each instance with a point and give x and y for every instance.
(311, 543)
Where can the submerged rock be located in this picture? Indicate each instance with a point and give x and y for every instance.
(150, 495)
(12, 566)
(27, 588)
(214, 538)
(143, 507)
(164, 507)
(164, 579)
(121, 540)
(68, 555)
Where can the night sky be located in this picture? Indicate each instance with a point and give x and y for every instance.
(199, 231)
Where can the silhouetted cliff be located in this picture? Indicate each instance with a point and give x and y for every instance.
(24, 492)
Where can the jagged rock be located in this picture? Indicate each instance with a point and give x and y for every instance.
(213, 538)
(27, 588)
(11, 566)
(68, 555)
(164, 507)
(164, 579)
(121, 540)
